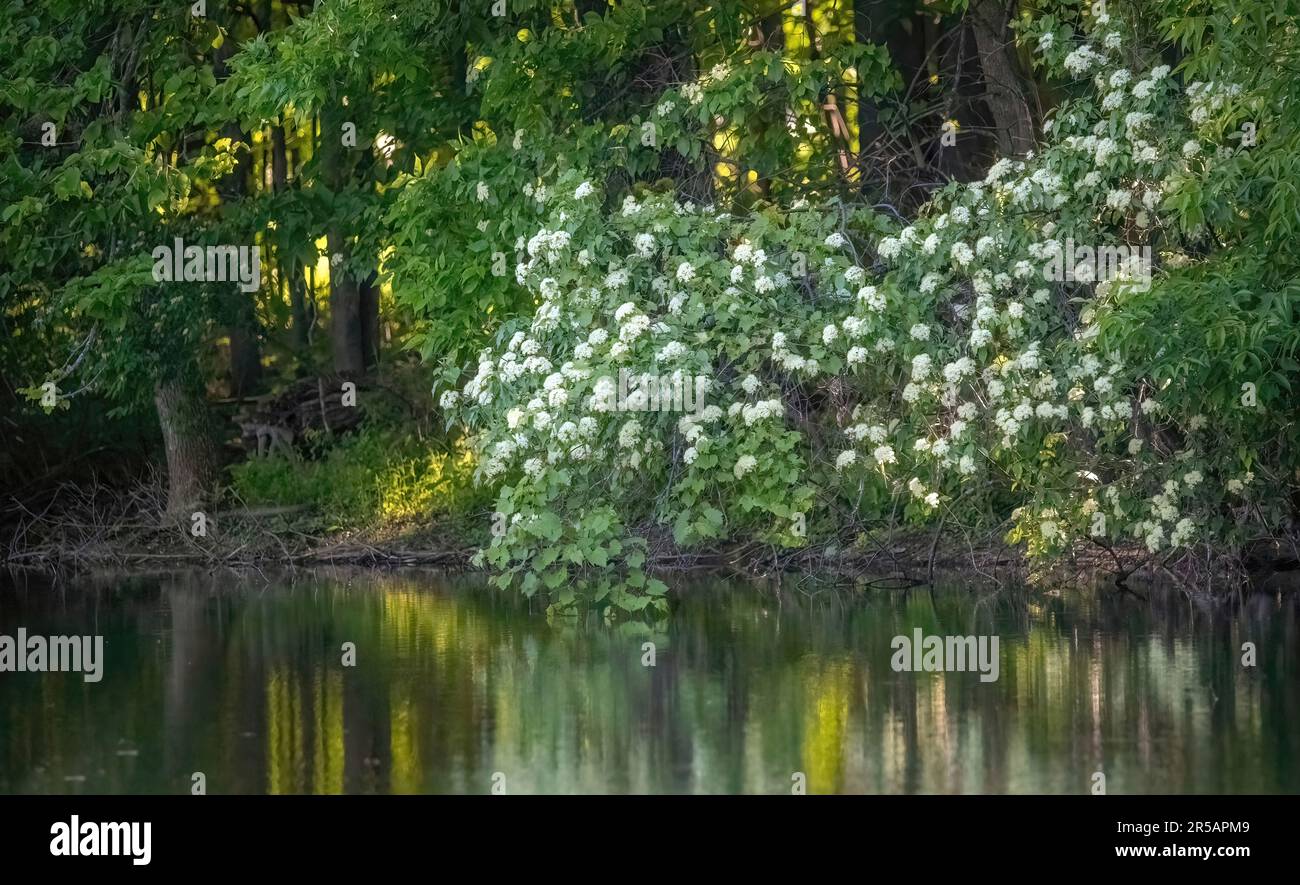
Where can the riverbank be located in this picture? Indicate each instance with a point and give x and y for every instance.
(84, 528)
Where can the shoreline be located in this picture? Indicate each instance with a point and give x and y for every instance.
(268, 538)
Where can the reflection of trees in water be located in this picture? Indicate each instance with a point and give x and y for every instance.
(244, 682)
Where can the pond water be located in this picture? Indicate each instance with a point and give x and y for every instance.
(242, 677)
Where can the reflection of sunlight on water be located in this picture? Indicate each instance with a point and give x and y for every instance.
(454, 684)
(404, 745)
(827, 691)
(304, 744)
(327, 759)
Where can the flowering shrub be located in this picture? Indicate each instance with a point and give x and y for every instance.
(981, 357)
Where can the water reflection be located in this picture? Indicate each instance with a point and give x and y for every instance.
(242, 679)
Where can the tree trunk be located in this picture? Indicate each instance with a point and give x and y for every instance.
(670, 63)
(867, 29)
(369, 307)
(768, 35)
(290, 268)
(830, 103)
(345, 295)
(1003, 86)
(298, 304)
(189, 442)
(245, 356)
(345, 311)
(245, 348)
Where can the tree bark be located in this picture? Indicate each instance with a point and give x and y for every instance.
(245, 357)
(189, 442)
(345, 295)
(769, 35)
(345, 311)
(245, 348)
(867, 29)
(1004, 87)
(673, 62)
(298, 304)
(369, 308)
(290, 268)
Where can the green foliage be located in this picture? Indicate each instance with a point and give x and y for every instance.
(1136, 402)
(646, 91)
(678, 188)
(379, 477)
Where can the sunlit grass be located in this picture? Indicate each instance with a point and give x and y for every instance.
(371, 479)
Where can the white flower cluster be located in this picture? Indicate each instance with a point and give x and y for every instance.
(956, 357)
